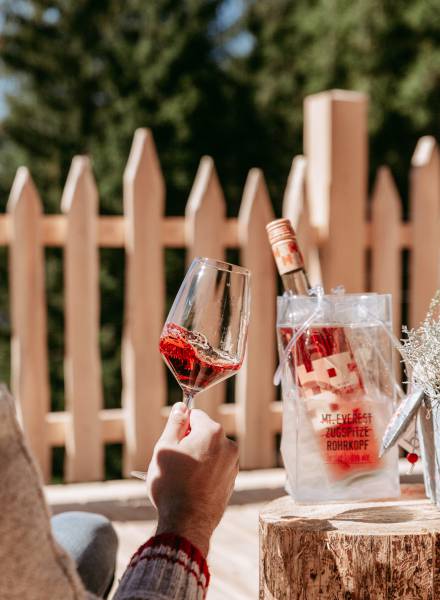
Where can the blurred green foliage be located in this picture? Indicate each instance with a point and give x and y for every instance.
(83, 75)
(86, 75)
(387, 48)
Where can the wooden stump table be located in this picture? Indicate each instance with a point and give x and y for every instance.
(385, 550)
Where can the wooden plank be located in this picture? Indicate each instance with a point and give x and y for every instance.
(53, 229)
(84, 452)
(230, 233)
(296, 208)
(174, 232)
(144, 387)
(386, 263)
(294, 201)
(5, 230)
(425, 202)
(254, 388)
(335, 138)
(29, 370)
(404, 237)
(113, 423)
(112, 426)
(205, 214)
(111, 231)
(204, 223)
(276, 416)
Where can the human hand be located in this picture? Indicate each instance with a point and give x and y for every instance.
(191, 477)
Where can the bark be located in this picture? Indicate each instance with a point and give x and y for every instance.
(385, 550)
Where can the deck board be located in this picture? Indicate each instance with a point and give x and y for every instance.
(233, 558)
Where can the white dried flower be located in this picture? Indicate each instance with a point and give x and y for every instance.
(421, 350)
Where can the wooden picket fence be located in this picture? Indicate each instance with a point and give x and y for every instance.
(326, 198)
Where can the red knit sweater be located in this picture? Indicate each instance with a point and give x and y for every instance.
(167, 567)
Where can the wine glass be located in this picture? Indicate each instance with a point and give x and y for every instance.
(204, 337)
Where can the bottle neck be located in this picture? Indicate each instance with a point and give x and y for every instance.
(296, 282)
(288, 257)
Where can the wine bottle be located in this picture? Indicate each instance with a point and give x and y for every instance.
(288, 257)
(326, 373)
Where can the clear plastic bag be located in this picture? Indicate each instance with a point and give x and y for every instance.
(338, 396)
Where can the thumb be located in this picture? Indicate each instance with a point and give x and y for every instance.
(177, 424)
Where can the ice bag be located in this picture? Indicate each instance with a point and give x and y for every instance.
(338, 392)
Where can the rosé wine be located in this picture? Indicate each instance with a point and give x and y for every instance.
(326, 372)
(194, 363)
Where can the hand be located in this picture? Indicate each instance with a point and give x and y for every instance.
(191, 477)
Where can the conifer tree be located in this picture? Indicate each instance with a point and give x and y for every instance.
(389, 49)
(85, 75)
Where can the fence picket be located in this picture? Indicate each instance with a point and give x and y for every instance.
(385, 231)
(29, 370)
(294, 202)
(205, 215)
(425, 211)
(254, 389)
(296, 208)
(144, 386)
(84, 450)
(335, 138)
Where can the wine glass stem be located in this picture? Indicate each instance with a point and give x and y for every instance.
(188, 398)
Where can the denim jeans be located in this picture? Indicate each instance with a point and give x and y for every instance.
(91, 541)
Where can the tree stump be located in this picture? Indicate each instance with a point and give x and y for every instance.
(384, 550)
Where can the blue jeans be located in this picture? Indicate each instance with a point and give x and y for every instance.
(91, 541)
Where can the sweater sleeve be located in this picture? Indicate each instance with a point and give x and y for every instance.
(167, 567)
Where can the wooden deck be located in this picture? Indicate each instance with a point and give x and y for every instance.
(233, 557)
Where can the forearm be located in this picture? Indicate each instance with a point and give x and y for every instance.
(182, 525)
(167, 567)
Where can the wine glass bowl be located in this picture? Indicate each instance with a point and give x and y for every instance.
(204, 337)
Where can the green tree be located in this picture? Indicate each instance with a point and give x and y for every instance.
(85, 75)
(387, 48)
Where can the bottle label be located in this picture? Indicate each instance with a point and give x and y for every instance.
(287, 256)
(342, 415)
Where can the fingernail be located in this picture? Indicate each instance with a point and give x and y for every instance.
(180, 408)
